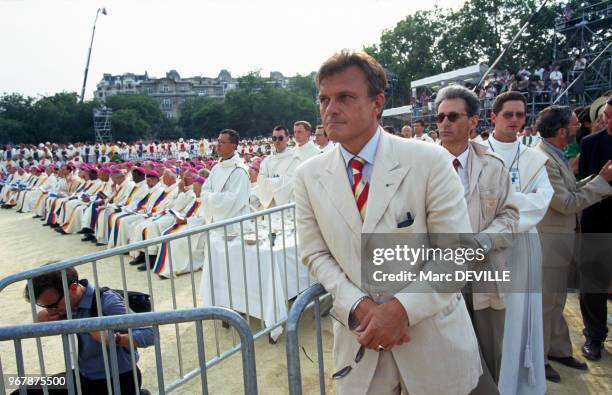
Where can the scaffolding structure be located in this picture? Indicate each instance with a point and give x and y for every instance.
(102, 125)
(585, 29)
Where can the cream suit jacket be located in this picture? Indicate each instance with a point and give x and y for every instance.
(491, 212)
(407, 176)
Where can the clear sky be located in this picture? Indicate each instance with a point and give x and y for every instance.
(44, 43)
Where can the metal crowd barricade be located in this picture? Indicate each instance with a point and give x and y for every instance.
(261, 278)
(70, 327)
(312, 297)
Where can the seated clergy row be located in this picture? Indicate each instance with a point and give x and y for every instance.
(128, 203)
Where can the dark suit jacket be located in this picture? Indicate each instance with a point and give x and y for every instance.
(595, 151)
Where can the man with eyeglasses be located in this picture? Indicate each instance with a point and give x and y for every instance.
(49, 294)
(386, 341)
(275, 178)
(557, 126)
(493, 217)
(532, 195)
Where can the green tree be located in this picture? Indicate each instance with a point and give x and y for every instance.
(435, 41)
(62, 118)
(210, 118)
(304, 85)
(147, 108)
(128, 125)
(409, 49)
(15, 113)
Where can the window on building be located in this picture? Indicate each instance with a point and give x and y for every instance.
(166, 104)
(165, 88)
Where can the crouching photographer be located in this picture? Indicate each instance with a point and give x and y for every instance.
(49, 295)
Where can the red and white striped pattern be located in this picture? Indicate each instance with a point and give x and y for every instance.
(360, 186)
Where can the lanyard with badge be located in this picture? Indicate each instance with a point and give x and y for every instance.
(515, 175)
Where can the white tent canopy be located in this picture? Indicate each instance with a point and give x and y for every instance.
(467, 74)
(397, 111)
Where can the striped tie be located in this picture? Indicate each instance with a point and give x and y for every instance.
(360, 186)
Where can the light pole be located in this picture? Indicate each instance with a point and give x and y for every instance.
(103, 11)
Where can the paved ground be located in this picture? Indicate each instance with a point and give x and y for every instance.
(25, 244)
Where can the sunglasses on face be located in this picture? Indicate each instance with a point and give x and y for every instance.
(278, 138)
(452, 116)
(53, 305)
(510, 114)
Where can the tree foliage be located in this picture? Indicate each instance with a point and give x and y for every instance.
(253, 108)
(436, 41)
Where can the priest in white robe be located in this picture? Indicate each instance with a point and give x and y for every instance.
(35, 197)
(227, 189)
(136, 212)
(181, 256)
(522, 367)
(305, 147)
(122, 191)
(275, 179)
(147, 229)
(74, 208)
(138, 192)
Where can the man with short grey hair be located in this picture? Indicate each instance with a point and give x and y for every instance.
(487, 191)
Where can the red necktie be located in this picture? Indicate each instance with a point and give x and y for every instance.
(456, 164)
(360, 186)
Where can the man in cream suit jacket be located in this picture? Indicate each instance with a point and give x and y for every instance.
(416, 341)
(557, 126)
(487, 191)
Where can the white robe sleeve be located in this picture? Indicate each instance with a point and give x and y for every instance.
(266, 184)
(230, 201)
(534, 203)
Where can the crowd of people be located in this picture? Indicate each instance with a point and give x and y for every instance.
(515, 191)
(74, 189)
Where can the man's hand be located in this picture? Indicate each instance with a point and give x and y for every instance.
(49, 315)
(181, 221)
(383, 325)
(606, 171)
(362, 309)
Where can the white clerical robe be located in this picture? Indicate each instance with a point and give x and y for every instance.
(330, 146)
(275, 179)
(90, 213)
(176, 257)
(119, 198)
(225, 194)
(60, 188)
(75, 209)
(29, 198)
(522, 367)
(34, 205)
(138, 193)
(147, 229)
(133, 214)
(180, 205)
